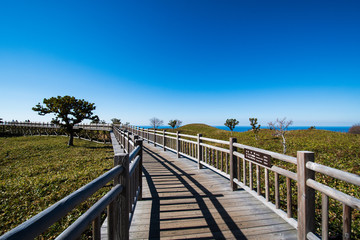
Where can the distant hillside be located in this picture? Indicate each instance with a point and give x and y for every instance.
(196, 128)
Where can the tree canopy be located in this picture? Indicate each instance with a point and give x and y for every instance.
(68, 111)
(175, 123)
(231, 123)
(255, 127)
(116, 120)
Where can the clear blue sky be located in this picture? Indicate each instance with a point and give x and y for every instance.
(198, 61)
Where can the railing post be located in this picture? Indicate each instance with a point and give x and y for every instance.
(346, 222)
(128, 142)
(177, 145)
(233, 185)
(306, 195)
(118, 211)
(164, 142)
(140, 143)
(148, 136)
(199, 149)
(154, 137)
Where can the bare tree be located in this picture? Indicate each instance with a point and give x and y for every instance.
(175, 123)
(155, 122)
(280, 126)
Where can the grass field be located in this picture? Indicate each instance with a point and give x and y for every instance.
(334, 149)
(37, 171)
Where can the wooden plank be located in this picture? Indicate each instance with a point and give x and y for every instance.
(346, 222)
(288, 198)
(306, 195)
(258, 185)
(335, 173)
(324, 217)
(96, 225)
(277, 191)
(267, 187)
(180, 201)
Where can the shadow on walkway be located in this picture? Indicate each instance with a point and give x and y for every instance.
(181, 176)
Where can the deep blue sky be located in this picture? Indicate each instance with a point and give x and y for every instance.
(198, 61)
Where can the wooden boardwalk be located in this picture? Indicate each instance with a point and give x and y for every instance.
(182, 202)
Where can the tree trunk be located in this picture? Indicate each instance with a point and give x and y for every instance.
(71, 138)
(284, 143)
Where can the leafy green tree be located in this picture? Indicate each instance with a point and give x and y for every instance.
(96, 121)
(68, 111)
(255, 127)
(231, 123)
(116, 121)
(175, 123)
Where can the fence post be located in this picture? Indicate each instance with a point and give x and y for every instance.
(177, 145)
(128, 142)
(306, 195)
(154, 137)
(118, 211)
(164, 140)
(199, 148)
(232, 164)
(139, 142)
(148, 136)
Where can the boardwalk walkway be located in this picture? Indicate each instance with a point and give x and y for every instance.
(180, 201)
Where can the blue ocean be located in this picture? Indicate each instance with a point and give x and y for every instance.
(247, 128)
(332, 128)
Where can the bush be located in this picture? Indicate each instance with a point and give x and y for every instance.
(355, 129)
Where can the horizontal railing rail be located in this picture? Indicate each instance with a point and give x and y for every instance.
(271, 184)
(94, 132)
(92, 126)
(120, 202)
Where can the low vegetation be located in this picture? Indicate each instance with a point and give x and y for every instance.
(355, 129)
(37, 171)
(333, 149)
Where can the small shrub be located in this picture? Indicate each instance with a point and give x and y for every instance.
(355, 129)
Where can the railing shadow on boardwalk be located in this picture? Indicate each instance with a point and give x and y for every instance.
(206, 214)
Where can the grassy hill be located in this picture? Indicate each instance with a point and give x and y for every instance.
(36, 172)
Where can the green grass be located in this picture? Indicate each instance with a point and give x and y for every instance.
(333, 149)
(36, 172)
